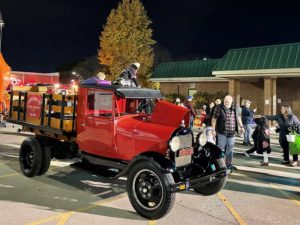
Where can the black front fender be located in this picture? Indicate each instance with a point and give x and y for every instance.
(215, 151)
(164, 163)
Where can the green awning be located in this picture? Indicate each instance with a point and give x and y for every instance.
(197, 68)
(284, 56)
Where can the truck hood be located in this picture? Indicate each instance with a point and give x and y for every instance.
(135, 136)
(169, 114)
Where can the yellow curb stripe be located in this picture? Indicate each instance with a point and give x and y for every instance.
(152, 222)
(63, 217)
(10, 175)
(235, 214)
(296, 201)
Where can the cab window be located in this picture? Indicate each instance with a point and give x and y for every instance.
(99, 103)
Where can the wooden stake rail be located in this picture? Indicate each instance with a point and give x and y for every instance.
(51, 112)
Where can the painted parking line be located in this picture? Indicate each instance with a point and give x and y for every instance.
(63, 217)
(235, 214)
(10, 175)
(152, 222)
(11, 145)
(295, 200)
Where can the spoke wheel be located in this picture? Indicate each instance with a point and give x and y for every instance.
(149, 189)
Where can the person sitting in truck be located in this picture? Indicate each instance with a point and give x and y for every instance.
(128, 76)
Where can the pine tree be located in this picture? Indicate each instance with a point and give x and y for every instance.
(127, 38)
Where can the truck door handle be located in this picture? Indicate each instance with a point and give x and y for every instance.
(83, 124)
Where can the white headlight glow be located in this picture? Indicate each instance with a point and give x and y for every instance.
(175, 143)
(181, 141)
(202, 139)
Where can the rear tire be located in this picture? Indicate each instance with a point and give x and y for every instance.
(46, 160)
(149, 189)
(30, 157)
(216, 186)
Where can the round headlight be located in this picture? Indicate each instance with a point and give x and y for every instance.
(202, 139)
(175, 143)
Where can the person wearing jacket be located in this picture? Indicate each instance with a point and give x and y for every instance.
(286, 119)
(128, 77)
(261, 139)
(225, 122)
(247, 117)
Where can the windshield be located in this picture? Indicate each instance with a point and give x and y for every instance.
(135, 106)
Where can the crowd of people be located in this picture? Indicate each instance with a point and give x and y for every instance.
(226, 120)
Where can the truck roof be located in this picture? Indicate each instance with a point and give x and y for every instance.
(127, 92)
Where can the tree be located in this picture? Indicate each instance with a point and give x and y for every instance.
(88, 67)
(126, 38)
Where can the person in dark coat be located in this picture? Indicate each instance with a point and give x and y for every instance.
(128, 77)
(261, 140)
(286, 119)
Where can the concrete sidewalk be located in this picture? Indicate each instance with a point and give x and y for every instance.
(12, 129)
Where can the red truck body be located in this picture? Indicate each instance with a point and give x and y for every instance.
(125, 136)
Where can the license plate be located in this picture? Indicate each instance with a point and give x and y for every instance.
(186, 151)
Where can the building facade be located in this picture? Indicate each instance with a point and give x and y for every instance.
(268, 75)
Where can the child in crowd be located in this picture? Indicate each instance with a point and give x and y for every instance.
(261, 139)
(209, 134)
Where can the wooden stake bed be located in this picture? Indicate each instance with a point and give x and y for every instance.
(52, 115)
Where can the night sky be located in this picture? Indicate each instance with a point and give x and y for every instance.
(40, 35)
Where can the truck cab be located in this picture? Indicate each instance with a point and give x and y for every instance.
(110, 123)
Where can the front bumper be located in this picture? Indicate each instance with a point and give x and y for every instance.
(199, 181)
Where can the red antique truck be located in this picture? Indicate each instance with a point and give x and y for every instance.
(152, 146)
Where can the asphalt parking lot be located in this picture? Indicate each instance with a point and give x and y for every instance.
(70, 195)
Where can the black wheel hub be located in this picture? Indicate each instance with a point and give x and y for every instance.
(27, 159)
(148, 190)
(145, 189)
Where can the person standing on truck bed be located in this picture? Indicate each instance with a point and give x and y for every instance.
(128, 77)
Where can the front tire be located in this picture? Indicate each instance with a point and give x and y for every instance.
(216, 186)
(30, 157)
(149, 189)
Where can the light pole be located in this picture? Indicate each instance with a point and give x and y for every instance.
(1, 26)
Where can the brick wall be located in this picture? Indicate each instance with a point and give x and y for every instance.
(288, 90)
(210, 87)
(254, 91)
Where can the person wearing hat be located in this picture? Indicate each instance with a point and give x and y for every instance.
(177, 101)
(247, 117)
(128, 77)
(188, 104)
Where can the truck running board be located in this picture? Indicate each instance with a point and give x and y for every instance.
(101, 161)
